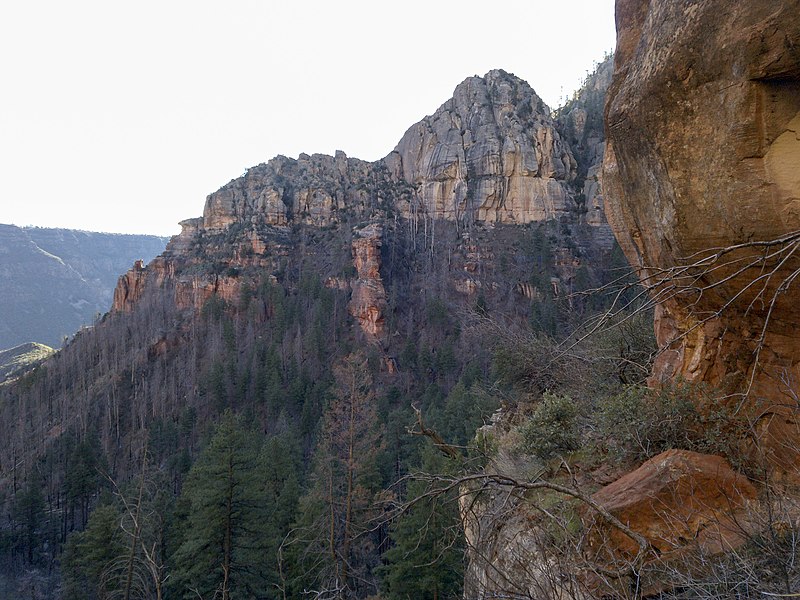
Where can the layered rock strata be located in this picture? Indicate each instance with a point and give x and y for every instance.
(368, 300)
(491, 153)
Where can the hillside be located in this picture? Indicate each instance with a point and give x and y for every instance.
(434, 376)
(20, 359)
(293, 326)
(58, 280)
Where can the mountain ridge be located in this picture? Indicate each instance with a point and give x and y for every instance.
(58, 280)
(298, 265)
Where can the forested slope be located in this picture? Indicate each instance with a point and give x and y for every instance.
(239, 422)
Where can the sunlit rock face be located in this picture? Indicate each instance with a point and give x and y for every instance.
(703, 126)
(311, 189)
(491, 153)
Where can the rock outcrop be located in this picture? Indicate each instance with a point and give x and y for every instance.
(368, 301)
(130, 288)
(491, 153)
(580, 122)
(701, 177)
(310, 189)
(681, 502)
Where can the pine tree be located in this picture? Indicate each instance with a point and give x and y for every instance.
(278, 471)
(426, 561)
(29, 515)
(87, 554)
(222, 545)
(332, 551)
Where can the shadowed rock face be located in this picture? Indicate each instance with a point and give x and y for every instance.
(703, 126)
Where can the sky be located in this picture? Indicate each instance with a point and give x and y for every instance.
(123, 116)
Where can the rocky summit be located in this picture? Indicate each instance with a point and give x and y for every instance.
(492, 154)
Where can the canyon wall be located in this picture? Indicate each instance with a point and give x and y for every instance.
(702, 177)
(492, 154)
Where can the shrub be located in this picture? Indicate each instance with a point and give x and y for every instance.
(639, 423)
(552, 429)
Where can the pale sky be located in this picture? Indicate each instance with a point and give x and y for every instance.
(122, 116)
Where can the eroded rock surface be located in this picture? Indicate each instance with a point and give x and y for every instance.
(368, 301)
(491, 153)
(682, 502)
(704, 154)
(581, 124)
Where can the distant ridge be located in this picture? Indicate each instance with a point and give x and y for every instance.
(55, 281)
(20, 359)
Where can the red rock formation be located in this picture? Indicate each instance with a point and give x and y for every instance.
(674, 499)
(702, 118)
(684, 503)
(130, 288)
(194, 292)
(368, 301)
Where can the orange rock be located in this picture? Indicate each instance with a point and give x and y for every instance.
(681, 501)
(368, 300)
(703, 152)
(130, 287)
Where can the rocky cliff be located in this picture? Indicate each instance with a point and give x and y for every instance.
(492, 154)
(701, 182)
(482, 210)
(712, 225)
(581, 123)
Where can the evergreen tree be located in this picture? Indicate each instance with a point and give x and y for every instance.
(332, 551)
(83, 477)
(88, 554)
(426, 561)
(29, 516)
(222, 545)
(278, 470)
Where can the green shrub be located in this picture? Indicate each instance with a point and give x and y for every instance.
(639, 423)
(552, 429)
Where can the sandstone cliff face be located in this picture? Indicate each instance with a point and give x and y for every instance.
(580, 122)
(130, 288)
(311, 189)
(368, 301)
(704, 154)
(491, 153)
